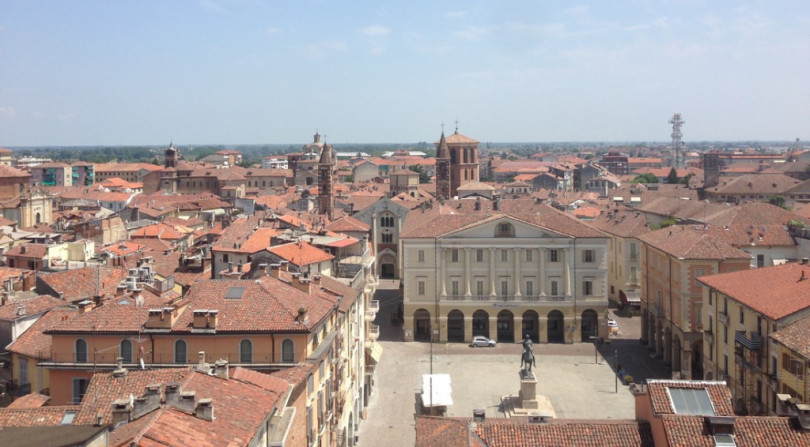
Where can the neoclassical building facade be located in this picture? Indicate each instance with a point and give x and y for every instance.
(505, 276)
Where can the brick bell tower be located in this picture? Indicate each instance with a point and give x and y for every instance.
(442, 169)
(326, 167)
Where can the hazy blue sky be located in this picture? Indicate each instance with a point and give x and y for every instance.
(241, 71)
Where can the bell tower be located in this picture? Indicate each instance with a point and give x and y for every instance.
(326, 167)
(170, 156)
(442, 169)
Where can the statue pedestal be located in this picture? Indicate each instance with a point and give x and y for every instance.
(527, 403)
(528, 391)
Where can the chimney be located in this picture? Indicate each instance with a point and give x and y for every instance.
(85, 306)
(303, 284)
(285, 266)
(205, 409)
(275, 270)
(21, 310)
(221, 369)
(187, 402)
(262, 271)
(120, 290)
(805, 261)
(148, 402)
(120, 411)
(119, 370)
(800, 413)
(803, 277)
(479, 415)
(202, 365)
(172, 393)
(23, 249)
(302, 314)
(316, 279)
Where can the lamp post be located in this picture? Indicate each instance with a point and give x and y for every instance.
(616, 367)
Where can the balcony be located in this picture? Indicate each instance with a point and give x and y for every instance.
(546, 298)
(754, 343)
(773, 381)
(373, 332)
(372, 309)
(708, 336)
(746, 363)
(723, 317)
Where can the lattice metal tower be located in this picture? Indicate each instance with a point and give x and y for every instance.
(677, 122)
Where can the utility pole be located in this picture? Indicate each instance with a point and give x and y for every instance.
(616, 368)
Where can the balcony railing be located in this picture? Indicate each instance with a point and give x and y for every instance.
(723, 318)
(372, 309)
(708, 336)
(754, 343)
(373, 332)
(746, 363)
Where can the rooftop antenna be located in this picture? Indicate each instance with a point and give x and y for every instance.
(456, 126)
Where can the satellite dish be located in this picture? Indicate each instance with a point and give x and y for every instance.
(143, 366)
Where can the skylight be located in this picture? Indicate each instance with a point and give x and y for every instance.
(234, 293)
(691, 401)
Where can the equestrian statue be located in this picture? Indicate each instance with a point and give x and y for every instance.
(527, 357)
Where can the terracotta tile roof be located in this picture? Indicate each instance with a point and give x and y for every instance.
(30, 400)
(586, 212)
(104, 389)
(462, 432)
(719, 394)
(749, 431)
(7, 172)
(348, 224)
(766, 184)
(625, 223)
(684, 241)
(109, 318)
(240, 411)
(295, 375)
(542, 216)
(34, 343)
(113, 167)
(266, 305)
(271, 201)
(32, 251)
(123, 248)
(795, 336)
(259, 240)
(262, 380)
(35, 417)
(32, 306)
(80, 284)
(235, 234)
(152, 244)
(775, 292)
(300, 253)
(159, 231)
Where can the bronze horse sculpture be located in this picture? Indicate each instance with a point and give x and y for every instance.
(527, 358)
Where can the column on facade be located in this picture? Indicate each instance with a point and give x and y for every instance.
(442, 270)
(567, 256)
(517, 251)
(468, 327)
(542, 328)
(467, 272)
(518, 327)
(493, 326)
(374, 231)
(541, 276)
(572, 335)
(492, 272)
(442, 328)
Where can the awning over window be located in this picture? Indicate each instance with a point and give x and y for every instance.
(374, 352)
(630, 296)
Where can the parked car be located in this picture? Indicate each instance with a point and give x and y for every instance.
(480, 340)
(613, 326)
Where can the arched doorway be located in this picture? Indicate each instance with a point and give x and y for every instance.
(590, 325)
(38, 218)
(480, 323)
(531, 325)
(556, 327)
(676, 353)
(697, 359)
(421, 325)
(388, 269)
(455, 326)
(506, 327)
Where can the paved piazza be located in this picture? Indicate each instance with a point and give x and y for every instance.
(577, 387)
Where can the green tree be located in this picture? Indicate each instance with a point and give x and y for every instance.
(424, 177)
(646, 178)
(778, 201)
(672, 177)
(687, 179)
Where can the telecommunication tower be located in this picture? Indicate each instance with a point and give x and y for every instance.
(677, 122)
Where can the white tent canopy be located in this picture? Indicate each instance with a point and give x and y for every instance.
(441, 392)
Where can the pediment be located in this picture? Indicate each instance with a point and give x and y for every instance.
(494, 229)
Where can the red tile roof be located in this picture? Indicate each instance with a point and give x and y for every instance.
(775, 292)
(34, 343)
(31, 400)
(684, 241)
(348, 224)
(84, 283)
(32, 306)
(718, 392)
(35, 417)
(32, 251)
(749, 431)
(300, 253)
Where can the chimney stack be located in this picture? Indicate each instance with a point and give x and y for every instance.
(120, 411)
(302, 314)
(187, 402)
(205, 409)
(300, 283)
(172, 393)
(275, 270)
(119, 370)
(202, 365)
(221, 369)
(262, 271)
(285, 266)
(148, 402)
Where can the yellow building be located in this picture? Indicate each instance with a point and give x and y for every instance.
(624, 254)
(504, 276)
(741, 311)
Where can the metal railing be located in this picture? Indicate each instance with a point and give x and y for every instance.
(508, 298)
